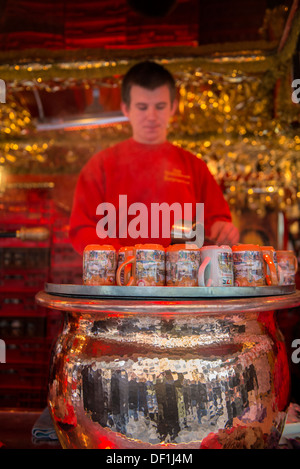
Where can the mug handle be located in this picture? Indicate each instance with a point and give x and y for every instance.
(271, 279)
(201, 271)
(280, 275)
(130, 260)
(296, 264)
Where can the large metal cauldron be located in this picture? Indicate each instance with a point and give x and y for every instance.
(142, 373)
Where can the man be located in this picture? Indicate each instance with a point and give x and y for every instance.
(119, 186)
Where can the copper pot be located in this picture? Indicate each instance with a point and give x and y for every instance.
(168, 374)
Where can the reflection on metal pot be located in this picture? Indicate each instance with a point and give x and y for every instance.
(169, 381)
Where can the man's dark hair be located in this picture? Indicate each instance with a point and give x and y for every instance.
(149, 75)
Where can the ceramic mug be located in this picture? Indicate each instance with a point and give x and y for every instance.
(248, 265)
(216, 269)
(147, 266)
(182, 265)
(99, 264)
(123, 255)
(270, 265)
(287, 267)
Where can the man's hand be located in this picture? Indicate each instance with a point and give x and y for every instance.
(224, 232)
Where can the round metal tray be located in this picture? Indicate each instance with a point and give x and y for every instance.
(132, 292)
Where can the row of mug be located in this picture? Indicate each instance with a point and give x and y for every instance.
(187, 265)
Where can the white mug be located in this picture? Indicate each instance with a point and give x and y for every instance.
(216, 267)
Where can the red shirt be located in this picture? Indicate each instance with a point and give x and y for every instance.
(143, 174)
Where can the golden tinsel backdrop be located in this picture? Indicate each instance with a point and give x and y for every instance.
(243, 125)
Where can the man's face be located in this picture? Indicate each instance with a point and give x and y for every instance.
(149, 113)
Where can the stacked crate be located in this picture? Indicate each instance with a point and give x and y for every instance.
(65, 262)
(26, 328)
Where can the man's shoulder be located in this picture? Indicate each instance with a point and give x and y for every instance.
(190, 155)
(107, 153)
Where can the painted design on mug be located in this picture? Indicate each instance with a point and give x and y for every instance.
(150, 267)
(121, 257)
(225, 263)
(99, 267)
(248, 268)
(287, 267)
(275, 260)
(216, 269)
(182, 268)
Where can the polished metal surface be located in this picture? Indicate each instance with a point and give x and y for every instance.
(169, 374)
(159, 307)
(105, 291)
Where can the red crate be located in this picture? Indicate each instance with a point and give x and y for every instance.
(20, 303)
(32, 280)
(23, 326)
(24, 376)
(24, 258)
(25, 351)
(64, 255)
(55, 321)
(66, 276)
(24, 399)
(22, 391)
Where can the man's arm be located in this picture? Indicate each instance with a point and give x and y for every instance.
(218, 225)
(223, 232)
(83, 221)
